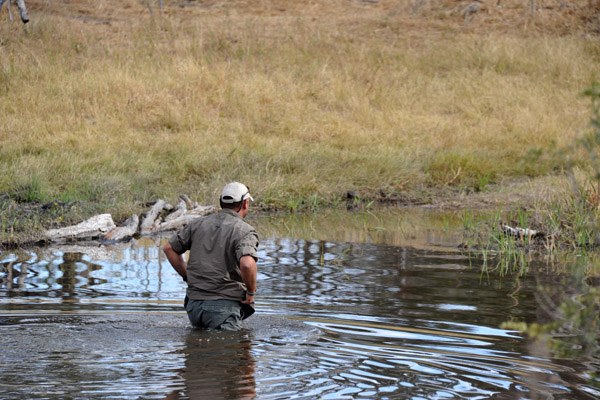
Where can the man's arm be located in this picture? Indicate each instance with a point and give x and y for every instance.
(176, 261)
(248, 270)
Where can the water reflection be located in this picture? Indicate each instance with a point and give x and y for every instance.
(335, 319)
(12, 273)
(218, 365)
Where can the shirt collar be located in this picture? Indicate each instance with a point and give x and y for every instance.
(230, 212)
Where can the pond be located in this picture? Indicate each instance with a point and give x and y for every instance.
(350, 305)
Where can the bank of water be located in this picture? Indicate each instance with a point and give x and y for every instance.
(351, 305)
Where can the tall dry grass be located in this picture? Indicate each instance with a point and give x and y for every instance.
(299, 104)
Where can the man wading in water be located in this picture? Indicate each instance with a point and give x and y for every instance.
(221, 270)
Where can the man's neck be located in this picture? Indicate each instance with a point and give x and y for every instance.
(234, 212)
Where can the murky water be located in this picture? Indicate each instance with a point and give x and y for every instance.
(376, 311)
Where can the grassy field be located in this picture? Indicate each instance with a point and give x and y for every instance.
(113, 104)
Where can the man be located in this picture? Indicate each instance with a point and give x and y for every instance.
(221, 269)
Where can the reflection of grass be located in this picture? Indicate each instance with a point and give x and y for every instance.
(337, 262)
(573, 307)
(384, 226)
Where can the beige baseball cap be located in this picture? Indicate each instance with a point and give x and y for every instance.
(234, 192)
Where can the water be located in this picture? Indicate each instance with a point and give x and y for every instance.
(377, 311)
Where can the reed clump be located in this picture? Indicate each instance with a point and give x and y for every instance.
(111, 103)
(569, 216)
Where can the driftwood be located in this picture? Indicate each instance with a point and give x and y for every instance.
(188, 202)
(152, 219)
(102, 226)
(95, 227)
(20, 6)
(186, 218)
(179, 210)
(125, 231)
(522, 233)
(179, 216)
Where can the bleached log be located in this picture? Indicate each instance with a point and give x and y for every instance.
(177, 223)
(103, 226)
(180, 209)
(92, 228)
(152, 221)
(521, 233)
(186, 218)
(190, 203)
(125, 231)
(203, 210)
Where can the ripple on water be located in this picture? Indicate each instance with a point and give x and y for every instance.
(334, 320)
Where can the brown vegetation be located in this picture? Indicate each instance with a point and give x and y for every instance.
(113, 103)
(483, 16)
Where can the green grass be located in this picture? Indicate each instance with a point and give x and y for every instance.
(300, 109)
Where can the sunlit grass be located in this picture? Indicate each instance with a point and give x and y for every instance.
(297, 108)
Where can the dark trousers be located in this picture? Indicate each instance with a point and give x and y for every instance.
(215, 314)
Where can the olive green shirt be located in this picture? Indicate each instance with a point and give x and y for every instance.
(216, 244)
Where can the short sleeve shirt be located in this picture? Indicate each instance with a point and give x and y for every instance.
(216, 243)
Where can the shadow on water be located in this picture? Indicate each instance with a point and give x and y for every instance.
(364, 305)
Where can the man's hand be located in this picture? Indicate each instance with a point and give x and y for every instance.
(248, 300)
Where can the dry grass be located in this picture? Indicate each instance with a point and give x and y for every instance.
(108, 103)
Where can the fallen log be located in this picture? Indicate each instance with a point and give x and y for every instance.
(152, 220)
(190, 203)
(203, 210)
(522, 232)
(92, 228)
(180, 209)
(123, 232)
(102, 226)
(177, 223)
(186, 218)
(181, 216)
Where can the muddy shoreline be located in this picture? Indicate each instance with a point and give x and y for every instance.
(24, 224)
